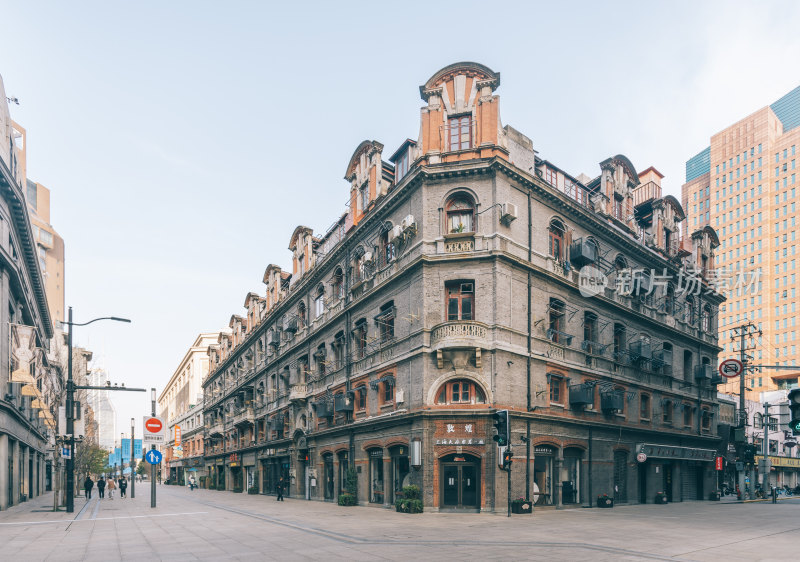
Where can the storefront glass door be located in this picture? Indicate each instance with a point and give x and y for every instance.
(460, 488)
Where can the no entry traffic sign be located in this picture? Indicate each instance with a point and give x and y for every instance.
(731, 368)
(154, 433)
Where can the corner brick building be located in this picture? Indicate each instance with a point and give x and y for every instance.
(450, 289)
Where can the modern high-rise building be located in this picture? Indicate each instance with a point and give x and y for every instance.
(105, 414)
(744, 185)
(49, 246)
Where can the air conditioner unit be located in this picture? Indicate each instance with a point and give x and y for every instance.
(291, 325)
(396, 232)
(703, 372)
(408, 221)
(367, 257)
(508, 213)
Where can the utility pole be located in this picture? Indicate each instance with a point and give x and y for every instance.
(764, 468)
(133, 464)
(152, 466)
(742, 333)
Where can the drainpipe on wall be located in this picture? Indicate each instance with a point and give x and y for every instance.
(528, 359)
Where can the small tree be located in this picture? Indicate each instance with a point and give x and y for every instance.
(89, 459)
(349, 497)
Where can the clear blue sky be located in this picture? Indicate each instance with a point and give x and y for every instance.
(184, 141)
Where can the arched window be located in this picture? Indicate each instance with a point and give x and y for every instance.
(360, 402)
(557, 232)
(705, 318)
(460, 212)
(460, 391)
(301, 314)
(669, 299)
(319, 302)
(338, 283)
(620, 263)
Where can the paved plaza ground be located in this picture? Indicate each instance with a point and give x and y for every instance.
(212, 525)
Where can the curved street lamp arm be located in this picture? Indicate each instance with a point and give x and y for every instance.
(116, 318)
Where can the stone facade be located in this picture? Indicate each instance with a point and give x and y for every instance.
(453, 287)
(24, 315)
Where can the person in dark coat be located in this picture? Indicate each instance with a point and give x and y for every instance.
(101, 488)
(88, 484)
(123, 486)
(279, 489)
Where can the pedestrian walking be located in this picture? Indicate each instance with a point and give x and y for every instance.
(101, 488)
(88, 484)
(192, 483)
(111, 485)
(123, 486)
(279, 489)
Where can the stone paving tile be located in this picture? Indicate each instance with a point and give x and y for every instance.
(211, 525)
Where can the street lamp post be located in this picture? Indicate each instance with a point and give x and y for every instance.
(70, 408)
(133, 465)
(153, 466)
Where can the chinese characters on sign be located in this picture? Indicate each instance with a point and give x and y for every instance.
(458, 434)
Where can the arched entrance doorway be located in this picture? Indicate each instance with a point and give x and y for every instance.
(459, 486)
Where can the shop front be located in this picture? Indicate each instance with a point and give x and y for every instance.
(544, 456)
(275, 464)
(249, 470)
(680, 473)
(234, 465)
(784, 471)
(459, 465)
(401, 471)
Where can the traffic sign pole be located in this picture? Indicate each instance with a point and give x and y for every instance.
(152, 466)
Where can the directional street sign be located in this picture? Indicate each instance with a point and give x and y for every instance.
(153, 457)
(66, 453)
(154, 431)
(731, 368)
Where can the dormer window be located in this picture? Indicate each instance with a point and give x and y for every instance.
(460, 132)
(401, 166)
(363, 197)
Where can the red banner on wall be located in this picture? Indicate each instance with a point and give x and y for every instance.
(719, 463)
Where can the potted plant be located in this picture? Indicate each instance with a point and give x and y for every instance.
(238, 490)
(521, 505)
(604, 501)
(212, 486)
(714, 496)
(661, 497)
(252, 490)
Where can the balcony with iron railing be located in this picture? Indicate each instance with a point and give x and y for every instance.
(216, 428)
(244, 416)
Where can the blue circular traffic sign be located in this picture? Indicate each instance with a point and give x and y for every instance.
(153, 457)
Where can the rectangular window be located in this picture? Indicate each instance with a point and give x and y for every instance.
(460, 129)
(644, 407)
(385, 321)
(460, 298)
(555, 388)
(364, 196)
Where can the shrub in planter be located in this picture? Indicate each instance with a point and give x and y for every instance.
(347, 499)
(605, 501)
(521, 505)
(408, 506)
(252, 490)
(411, 493)
(661, 498)
(238, 490)
(212, 486)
